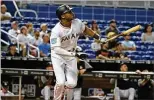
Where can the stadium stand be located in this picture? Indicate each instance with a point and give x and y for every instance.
(143, 47)
(125, 17)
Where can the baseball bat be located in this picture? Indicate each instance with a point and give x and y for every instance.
(127, 32)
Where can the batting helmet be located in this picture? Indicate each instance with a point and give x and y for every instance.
(62, 10)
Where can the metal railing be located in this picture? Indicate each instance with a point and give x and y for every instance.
(38, 51)
(18, 43)
(5, 42)
(17, 9)
(25, 10)
(11, 36)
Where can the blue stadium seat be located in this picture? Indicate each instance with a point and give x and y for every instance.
(91, 56)
(55, 20)
(137, 57)
(3, 54)
(90, 51)
(37, 25)
(146, 57)
(151, 48)
(138, 33)
(81, 41)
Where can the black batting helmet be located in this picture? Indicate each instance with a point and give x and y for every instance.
(62, 10)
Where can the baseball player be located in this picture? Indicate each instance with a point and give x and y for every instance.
(63, 41)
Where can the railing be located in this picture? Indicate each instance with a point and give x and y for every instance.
(19, 72)
(11, 36)
(30, 45)
(5, 42)
(22, 10)
(17, 9)
(26, 10)
(38, 51)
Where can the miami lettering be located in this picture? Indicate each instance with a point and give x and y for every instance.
(71, 36)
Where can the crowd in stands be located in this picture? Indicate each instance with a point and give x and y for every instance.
(25, 35)
(39, 37)
(112, 50)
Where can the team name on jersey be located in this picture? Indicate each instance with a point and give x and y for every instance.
(71, 36)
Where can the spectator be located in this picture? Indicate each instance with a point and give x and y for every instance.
(36, 41)
(4, 90)
(95, 27)
(43, 29)
(145, 89)
(45, 46)
(5, 16)
(14, 31)
(119, 54)
(148, 35)
(12, 50)
(96, 45)
(30, 28)
(127, 44)
(36, 38)
(24, 38)
(125, 87)
(112, 43)
(103, 53)
(112, 27)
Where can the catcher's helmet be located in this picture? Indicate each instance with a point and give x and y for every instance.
(62, 10)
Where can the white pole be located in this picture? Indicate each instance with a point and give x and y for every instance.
(17, 8)
(20, 80)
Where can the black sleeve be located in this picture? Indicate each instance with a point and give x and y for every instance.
(81, 64)
(98, 52)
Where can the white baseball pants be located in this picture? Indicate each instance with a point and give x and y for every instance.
(74, 94)
(66, 75)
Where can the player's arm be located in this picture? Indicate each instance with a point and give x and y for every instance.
(56, 47)
(91, 33)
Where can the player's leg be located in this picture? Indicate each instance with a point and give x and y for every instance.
(77, 93)
(71, 75)
(70, 94)
(58, 67)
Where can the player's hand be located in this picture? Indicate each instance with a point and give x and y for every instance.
(75, 54)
